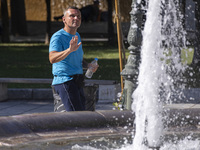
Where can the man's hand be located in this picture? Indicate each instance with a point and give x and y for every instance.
(73, 44)
(55, 56)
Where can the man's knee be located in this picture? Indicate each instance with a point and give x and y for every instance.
(58, 104)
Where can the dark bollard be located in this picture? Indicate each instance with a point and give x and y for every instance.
(90, 97)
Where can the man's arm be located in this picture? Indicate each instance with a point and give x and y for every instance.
(55, 56)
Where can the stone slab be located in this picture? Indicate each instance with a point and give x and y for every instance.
(45, 93)
(108, 92)
(15, 93)
(3, 92)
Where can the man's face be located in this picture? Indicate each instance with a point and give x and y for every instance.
(72, 18)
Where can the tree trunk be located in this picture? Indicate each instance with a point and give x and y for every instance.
(111, 36)
(183, 7)
(196, 57)
(18, 17)
(48, 22)
(5, 22)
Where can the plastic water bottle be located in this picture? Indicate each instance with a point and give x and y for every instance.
(89, 71)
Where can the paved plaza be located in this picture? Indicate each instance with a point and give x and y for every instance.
(18, 107)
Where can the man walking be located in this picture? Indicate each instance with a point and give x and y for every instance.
(66, 56)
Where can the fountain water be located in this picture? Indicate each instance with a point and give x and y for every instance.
(150, 74)
(160, 79)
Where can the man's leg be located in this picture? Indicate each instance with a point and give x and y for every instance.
(70, 95)
(58, 104)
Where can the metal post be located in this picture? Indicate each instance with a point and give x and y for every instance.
(130, 72)
(117, 16)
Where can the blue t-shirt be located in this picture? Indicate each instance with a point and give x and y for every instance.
(72, 64)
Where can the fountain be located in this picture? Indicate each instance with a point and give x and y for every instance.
(160, 79)
(155, 80)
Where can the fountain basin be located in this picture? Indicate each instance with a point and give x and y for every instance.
(33, 130)
(108, 128)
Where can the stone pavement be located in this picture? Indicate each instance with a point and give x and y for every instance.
(18, 107)
(40, 100)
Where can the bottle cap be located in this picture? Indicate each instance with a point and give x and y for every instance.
(96, 59)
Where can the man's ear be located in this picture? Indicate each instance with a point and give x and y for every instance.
(63, 20)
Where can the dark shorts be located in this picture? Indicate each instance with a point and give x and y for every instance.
(72, 95)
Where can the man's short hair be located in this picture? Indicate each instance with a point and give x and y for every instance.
(70, 7)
